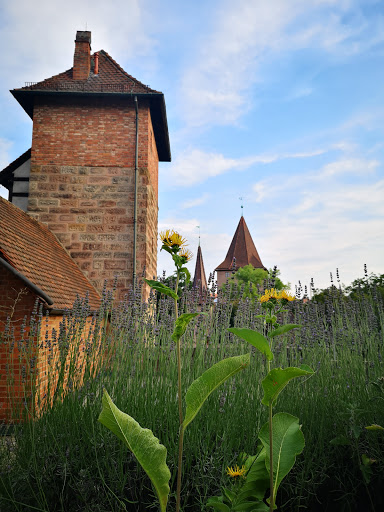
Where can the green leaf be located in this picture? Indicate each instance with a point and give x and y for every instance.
(181, 325)
(251, 506)
(282, 329)
(187, 274)
(150, 454)
(374, 427)
(277, 379)
(161, 288)
(288, 442)
(340, 441)
(254, 338)
(217, 503)
(201, 388)
(257, 477)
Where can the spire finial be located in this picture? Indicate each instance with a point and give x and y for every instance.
(242, 206)
(198, 227)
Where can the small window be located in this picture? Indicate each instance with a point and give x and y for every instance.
(227, 274)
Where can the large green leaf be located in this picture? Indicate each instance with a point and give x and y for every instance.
(278, 378)
(161, 288)
(254, 338)
(288, 442)
(257, 478)
(216, 502)
(201, 388)
(181, 325)
(282, 329)
(150, 454)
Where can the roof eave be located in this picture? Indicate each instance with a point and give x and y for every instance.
(26, 98)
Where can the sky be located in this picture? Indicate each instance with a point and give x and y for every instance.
(273, 105)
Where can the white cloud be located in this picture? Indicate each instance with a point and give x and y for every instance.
(196, 166)
(191, 203)
(217, 84)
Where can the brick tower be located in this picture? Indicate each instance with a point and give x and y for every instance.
(98, 135)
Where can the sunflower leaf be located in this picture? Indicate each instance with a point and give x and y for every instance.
(278, 378)
(254, 338)
(150, 454)
(282, 329)
(201, 388)
(161, 288)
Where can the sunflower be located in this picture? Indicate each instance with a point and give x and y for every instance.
(236, 471)
(186, 253)
(276, 295)
(269, 294)
(287, 296)
(171, 238)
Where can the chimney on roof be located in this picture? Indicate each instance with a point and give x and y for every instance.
(82, 57)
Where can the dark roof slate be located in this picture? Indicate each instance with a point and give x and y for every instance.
(199, 279)
(30, 248)
(242, 249)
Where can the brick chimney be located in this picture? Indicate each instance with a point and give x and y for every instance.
(82, 57)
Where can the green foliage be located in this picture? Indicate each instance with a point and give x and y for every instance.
(248, 282)
(211, 379)
(278, 378)
(255, 339)
(288, 442)
(150, 454)
(246, 493)
(181, 324)
(161, 288)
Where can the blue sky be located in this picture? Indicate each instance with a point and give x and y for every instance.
(279, 102)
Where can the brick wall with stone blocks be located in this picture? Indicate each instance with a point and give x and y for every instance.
(82, 184)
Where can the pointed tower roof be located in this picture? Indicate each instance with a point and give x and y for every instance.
(242, 249)
(199, 279)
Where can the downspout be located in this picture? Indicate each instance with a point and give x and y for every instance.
(27, 282)
(135, 194)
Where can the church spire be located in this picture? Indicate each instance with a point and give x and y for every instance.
(241, 252)
(199, 279)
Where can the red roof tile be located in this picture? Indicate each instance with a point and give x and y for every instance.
(242, 249)
(30, 248)
(111, 78)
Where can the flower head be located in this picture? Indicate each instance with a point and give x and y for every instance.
(172, 239)
(273, 295)
(236, 471)
(186, 253)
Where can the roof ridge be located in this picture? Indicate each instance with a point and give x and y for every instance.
(117, 65)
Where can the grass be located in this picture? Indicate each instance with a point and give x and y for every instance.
(66, 460)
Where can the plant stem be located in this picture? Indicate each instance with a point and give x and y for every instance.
(271, 499)
(181, 430)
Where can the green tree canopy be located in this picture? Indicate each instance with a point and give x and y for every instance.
(250, 282)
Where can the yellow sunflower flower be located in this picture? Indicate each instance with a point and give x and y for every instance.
(287, 296)
(171, 238)
(236, 471)
(186, 253)
(269, 294)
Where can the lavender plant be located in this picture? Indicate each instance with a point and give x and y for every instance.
(141, 442)
(281, 437)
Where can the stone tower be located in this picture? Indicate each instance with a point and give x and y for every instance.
(98, 135)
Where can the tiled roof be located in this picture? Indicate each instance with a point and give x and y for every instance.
(110, 78)
(242, 249)
(31, 249)
(6, 177)
(199, 279)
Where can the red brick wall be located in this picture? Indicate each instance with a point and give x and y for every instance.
(32, 362)
(82, 184)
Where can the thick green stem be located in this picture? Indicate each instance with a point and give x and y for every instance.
(180, 402)
(271, 485)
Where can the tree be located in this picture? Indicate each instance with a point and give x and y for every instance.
(250, 282)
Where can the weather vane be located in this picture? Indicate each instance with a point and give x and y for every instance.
(198, 227)
(242, 206)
